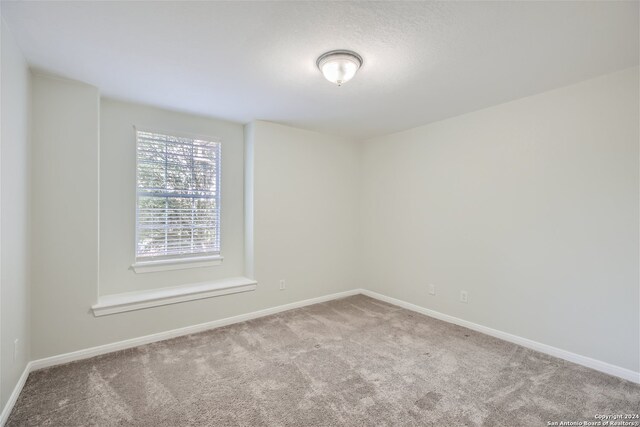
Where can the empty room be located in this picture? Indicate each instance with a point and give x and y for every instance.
(313, 213)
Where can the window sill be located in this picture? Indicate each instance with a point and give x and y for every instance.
(130, 301)
(175, 264)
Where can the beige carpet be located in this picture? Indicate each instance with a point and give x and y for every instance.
(350, 362)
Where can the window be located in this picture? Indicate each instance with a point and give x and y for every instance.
(178, 198)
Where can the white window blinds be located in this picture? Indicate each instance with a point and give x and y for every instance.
(178, 196)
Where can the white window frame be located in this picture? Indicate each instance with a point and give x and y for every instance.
(184, 261)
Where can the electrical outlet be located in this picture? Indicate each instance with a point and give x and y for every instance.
(283, 285)
(432, 289)
(464, 297)
(15, 349)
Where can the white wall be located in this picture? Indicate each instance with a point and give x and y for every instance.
(306, 212)
(304, 237)
(118, 197)
(64, 212)
(14, 227)
(530, 206)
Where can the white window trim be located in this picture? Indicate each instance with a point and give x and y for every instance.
(188, 260)
(130, 301)
(182, 263)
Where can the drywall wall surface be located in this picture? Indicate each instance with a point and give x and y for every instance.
(118, 195)
(304, 239)
(529, 206)
(65, 211)
(249, 166)
(305, 212)
(14, 227)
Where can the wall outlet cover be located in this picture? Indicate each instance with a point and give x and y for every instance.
(464, 297)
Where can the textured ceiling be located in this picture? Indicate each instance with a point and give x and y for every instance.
(243, 61)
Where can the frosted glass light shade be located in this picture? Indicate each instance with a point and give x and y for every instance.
(339, 66)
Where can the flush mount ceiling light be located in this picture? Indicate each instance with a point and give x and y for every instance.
(339, 66)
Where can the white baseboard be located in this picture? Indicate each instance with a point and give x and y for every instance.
(598, 365)
(160, 336)
(14, 395)
(607, 368)
(147, 339)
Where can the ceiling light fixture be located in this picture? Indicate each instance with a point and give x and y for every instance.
(339, 66)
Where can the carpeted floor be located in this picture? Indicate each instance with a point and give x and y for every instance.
(350, 362)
